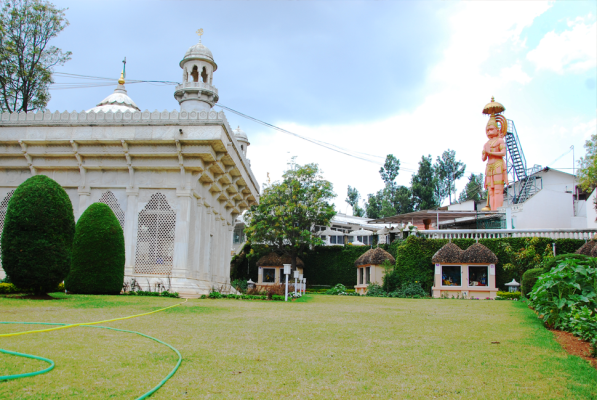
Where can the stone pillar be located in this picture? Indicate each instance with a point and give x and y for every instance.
(84, 198)
(207, 242)
(180, 268)
(198, 249)
(130, 229)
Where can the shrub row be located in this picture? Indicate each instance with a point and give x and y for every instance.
(413, 258)
(164, 293)
(218, 295)
(508, 295)
(9, 288)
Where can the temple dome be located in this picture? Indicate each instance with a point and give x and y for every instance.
(240, 134)
(117, 101)
(199, 52)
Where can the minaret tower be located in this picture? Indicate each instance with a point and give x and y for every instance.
(241, 137)
(197, 93)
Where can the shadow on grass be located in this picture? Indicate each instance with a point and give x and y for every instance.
(584, 377)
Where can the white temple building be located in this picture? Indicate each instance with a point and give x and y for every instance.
(176, 180)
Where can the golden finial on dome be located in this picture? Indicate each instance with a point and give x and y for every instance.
(200, 33)
(122, 74)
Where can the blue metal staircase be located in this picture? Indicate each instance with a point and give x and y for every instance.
(517, 163)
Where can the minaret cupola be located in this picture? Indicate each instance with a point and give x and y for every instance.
(241, 138)
(197, 93)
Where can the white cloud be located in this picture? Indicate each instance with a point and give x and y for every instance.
(515, 74)
(572, 50)
(449, 117)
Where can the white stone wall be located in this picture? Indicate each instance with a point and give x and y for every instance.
(202, 172)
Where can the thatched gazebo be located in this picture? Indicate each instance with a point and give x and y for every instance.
(271, 268)
(469, 273)
(587, 249)
(369, 269)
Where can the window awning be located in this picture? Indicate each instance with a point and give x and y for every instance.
(437, 216)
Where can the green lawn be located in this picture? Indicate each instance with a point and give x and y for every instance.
(326, 347)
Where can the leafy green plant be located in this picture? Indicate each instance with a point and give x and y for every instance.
(375, 290)
(570, 285)
(240, 285)
(98, 253)
(527, 257)
(164, 293)
(583, 323)
(215, 295)
(339, 289)
(411, 290)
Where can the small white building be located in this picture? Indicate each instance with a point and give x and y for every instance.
(176, 180)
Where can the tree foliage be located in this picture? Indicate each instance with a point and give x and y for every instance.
(38, 235)
(423, 186)
(587, 174)
(353, 198)
(392, 199)
(288, 210)
(473, 189)
(26, 58)
(98, 253)
(447, 171)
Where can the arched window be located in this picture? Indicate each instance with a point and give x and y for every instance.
(195, 74)
(109, 199)
(204, 75)
(155, 237)
(185, 76)
(3, 208)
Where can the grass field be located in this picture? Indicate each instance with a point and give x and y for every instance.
(325, 347)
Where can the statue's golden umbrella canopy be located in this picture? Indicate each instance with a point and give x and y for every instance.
(493, 108)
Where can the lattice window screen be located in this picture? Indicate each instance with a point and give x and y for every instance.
(155, 237)
(109, 199)
(3, 208)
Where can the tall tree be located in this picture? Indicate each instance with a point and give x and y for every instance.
(374, 204)
(422, 186)
(26, 58)
(390, 170)
(473, 189)
(587, 173)
(403, 200)
(353, 198)
(447, 170)
(288, 210)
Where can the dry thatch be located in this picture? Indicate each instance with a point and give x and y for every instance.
(448, 254)
(587, 248)
(275, 260)
(375, 257)
(478, 254)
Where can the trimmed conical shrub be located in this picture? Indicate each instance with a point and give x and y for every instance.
(98, 253)
(38, 235)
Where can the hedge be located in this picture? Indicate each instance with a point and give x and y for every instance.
(330, 265)
(529, 278)
(38, 235)
(413, 258)
(98, 253)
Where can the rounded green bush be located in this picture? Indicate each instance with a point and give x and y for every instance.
(529, 278)
(554, 261)
(38, 235)
(98, 253)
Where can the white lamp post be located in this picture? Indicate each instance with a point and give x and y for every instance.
(296, 275)
(304, 285)
(286, 272)
(301, 284)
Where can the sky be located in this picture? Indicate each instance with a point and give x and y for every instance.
(408, 78)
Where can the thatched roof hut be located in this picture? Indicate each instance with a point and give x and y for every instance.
(479, 254)
(587, 248)
(448, 254)
(374, 257)
(275, 260)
